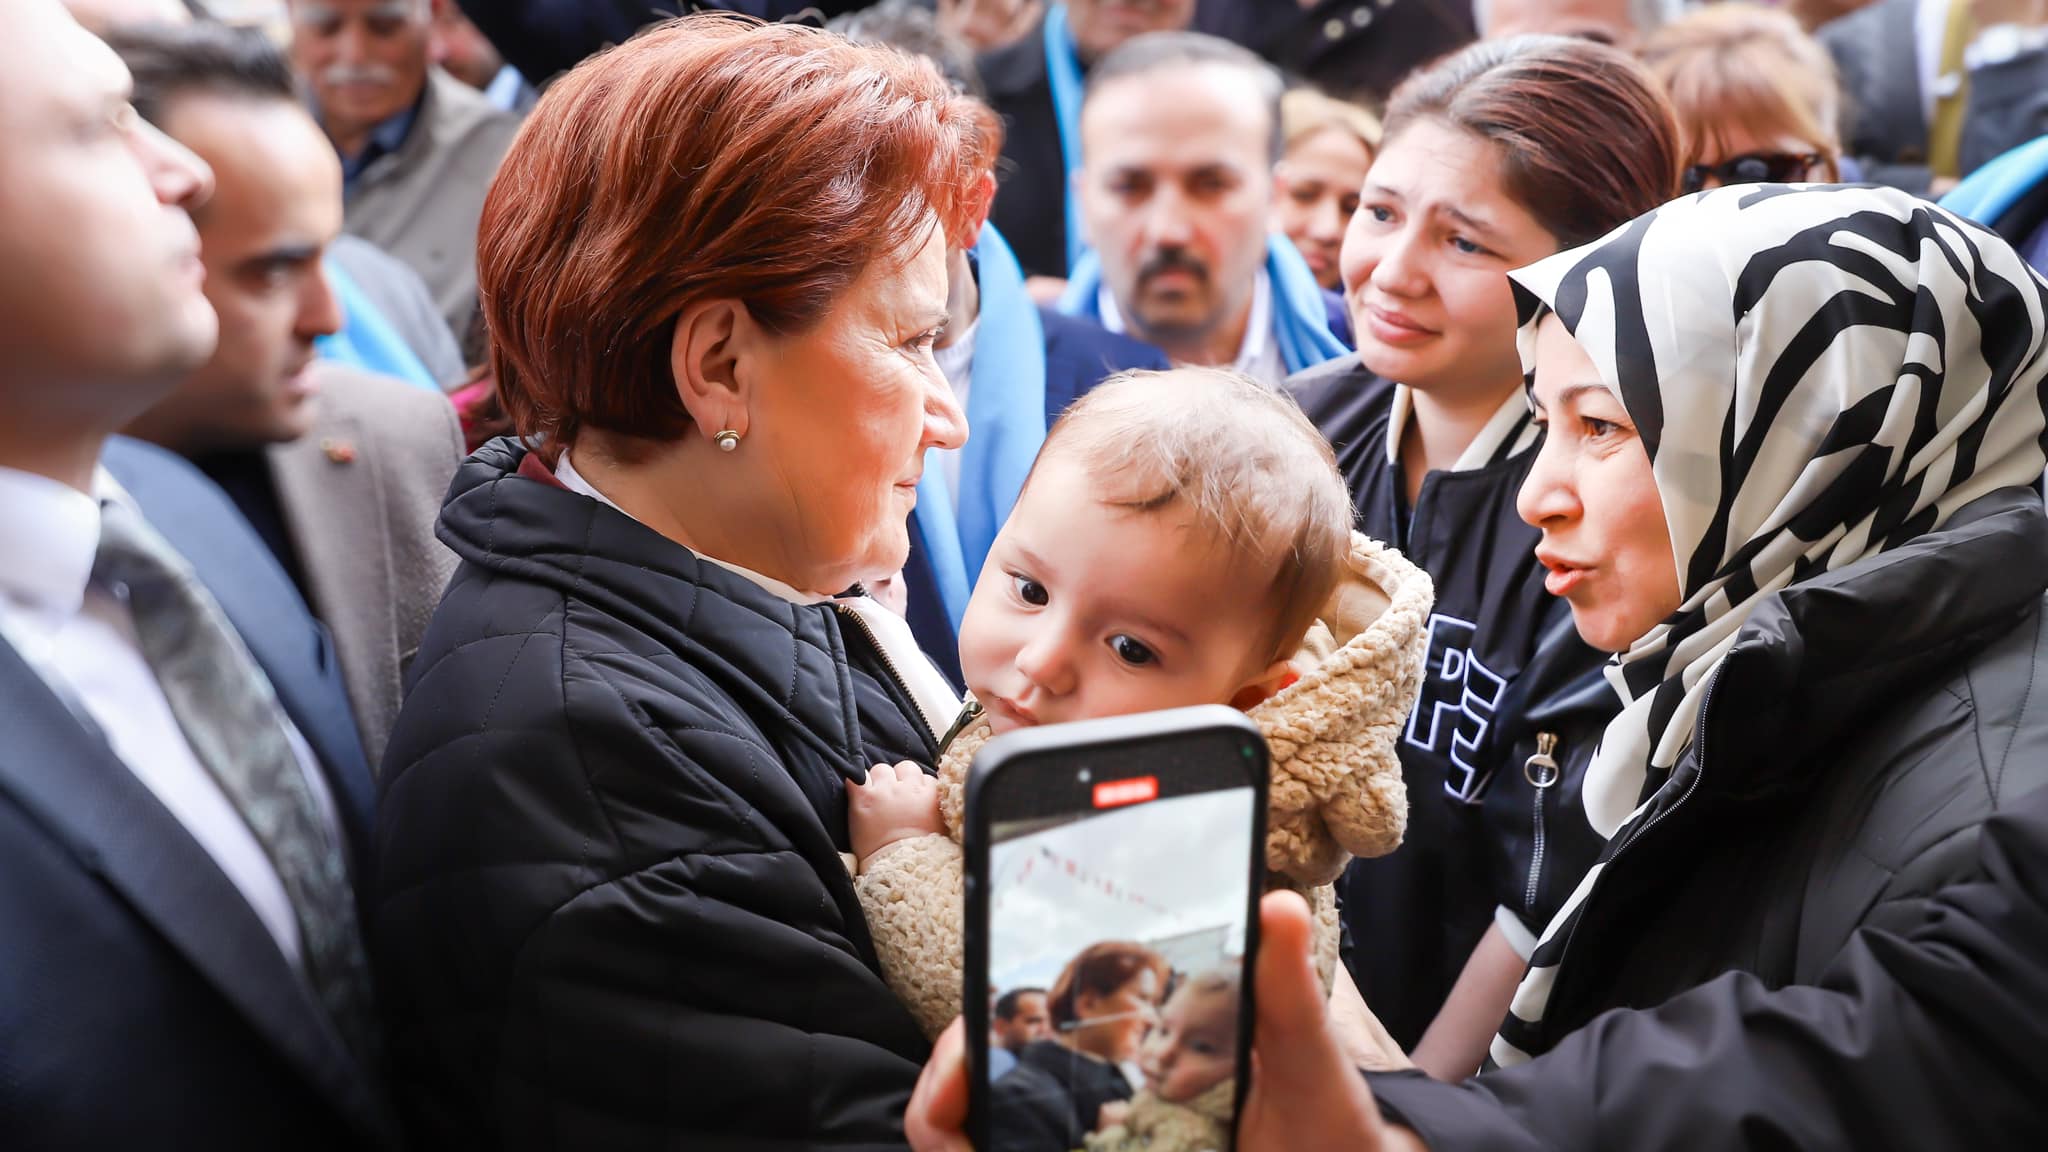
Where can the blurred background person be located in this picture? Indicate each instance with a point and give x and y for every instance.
(340, 471)
(101, 16)
(1936, 88)
(1182, 132)
(1037, 85)
(418, 147)
(1622, 23)
(986, 25)
(1327, 148)
(466, 54)
(1353, 49)
(1755, 96)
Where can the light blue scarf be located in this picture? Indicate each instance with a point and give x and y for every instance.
(366, 339)
(1063, 74)
(1992, 190)
(1301, 323)
(1006, 419)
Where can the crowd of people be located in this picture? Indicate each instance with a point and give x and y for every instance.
(516, 515)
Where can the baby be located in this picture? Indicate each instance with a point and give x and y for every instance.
(1183, 538)
(1188, 1062)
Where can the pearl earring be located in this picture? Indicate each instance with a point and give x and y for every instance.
(727, 440)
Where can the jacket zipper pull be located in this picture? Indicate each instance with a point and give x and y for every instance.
(1542, 772)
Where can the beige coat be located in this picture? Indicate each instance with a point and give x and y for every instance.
(1336, 789)
(422, 202)
(360, 494)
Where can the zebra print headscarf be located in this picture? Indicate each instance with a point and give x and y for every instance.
(1819, 374)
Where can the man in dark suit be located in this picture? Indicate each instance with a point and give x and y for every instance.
(340, 471)
(183, 801)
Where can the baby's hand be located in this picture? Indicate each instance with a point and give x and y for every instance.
(896, 804)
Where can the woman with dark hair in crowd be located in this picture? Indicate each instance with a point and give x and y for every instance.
(1486, 165)
(1793, 438)
(611, 910)
(1105, 1000)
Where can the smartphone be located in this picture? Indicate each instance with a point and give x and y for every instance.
(1114, 869)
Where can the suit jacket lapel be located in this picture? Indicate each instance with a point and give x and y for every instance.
(336, 518)
(68, 778)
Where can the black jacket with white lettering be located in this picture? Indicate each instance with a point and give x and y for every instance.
(1506, 668)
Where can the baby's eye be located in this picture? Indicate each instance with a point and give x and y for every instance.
(1131, 651)
(1030, 591)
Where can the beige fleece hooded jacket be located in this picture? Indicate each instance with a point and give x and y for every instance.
(1335, 791)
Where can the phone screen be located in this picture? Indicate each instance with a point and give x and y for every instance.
(1116, 948)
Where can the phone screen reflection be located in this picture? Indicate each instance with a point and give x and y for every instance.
(1116, 949)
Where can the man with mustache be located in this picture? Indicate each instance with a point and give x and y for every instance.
(340, 471)
(418, 147)
(1181, 132)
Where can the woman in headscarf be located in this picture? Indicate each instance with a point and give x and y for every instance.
(1792, 441)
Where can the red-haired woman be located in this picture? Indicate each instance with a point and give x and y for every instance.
(611, 910)
(1486, 165)
(1106, 999)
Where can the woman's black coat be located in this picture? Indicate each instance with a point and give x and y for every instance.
(1865, 725)
(611, 911)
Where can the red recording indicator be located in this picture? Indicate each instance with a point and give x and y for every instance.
(1117, 793)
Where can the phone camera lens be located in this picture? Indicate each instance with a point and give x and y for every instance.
(1082, 775)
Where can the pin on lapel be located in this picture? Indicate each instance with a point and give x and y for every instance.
(339, 451)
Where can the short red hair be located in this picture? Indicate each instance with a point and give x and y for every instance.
(711, 157)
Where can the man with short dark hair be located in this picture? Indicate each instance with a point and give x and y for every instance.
(1181, 132)
(1020, 1018)
(184, 805)
(340, 471)
(418, 147)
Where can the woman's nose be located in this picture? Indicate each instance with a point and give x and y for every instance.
(1547, 496)
(945, 424)
(1399, 271)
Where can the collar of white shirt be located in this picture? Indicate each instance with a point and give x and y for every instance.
(48, 539)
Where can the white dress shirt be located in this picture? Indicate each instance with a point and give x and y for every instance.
(81, 640)
(928, 687)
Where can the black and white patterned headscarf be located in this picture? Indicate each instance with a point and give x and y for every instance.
(1819, 375)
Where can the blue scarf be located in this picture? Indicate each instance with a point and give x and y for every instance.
(1301, 323)
(1063, 74)
(366, 339)
(1006, 419)
(1991, 191)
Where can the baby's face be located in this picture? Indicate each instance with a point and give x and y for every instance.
(1085, 610)
(1195, 1046)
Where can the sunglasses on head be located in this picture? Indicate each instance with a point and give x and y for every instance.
(1752, 168)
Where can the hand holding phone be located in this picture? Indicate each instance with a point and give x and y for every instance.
(1113, 873)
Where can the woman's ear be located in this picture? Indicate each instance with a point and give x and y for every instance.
(1265, 686)
(712, 340)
